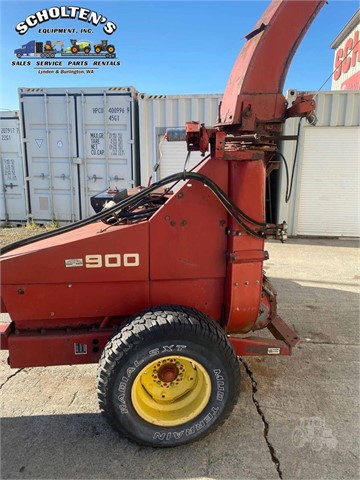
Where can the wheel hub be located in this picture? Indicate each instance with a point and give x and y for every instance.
(171, 390)
(167, 373)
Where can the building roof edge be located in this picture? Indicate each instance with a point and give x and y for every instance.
(354, 20)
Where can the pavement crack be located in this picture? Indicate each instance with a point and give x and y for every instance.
(11, 376)
(259, 410)
(73, 398)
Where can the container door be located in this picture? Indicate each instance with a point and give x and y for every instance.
(106, 144)
(51, 157)
(12, 190)
(328, 190)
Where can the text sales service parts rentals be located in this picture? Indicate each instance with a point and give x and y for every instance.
(66, 12)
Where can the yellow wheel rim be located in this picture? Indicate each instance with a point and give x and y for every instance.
(111, 49)
(171, 391)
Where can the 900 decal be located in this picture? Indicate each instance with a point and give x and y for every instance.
(109, 260)
(112, 260)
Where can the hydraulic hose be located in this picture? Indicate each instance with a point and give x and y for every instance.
(228, 204)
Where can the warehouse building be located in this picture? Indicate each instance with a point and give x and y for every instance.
(325, 198)
(346, 74)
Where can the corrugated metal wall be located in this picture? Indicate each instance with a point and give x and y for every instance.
(158, 112)
(316, 206)
(338, 109)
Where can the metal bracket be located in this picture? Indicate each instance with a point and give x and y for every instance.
(248, 256)
(285, 339)
(277, 232)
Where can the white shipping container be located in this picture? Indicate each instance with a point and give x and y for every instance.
(159, 112)
(77, 143)
(12, 190)
(326, 193)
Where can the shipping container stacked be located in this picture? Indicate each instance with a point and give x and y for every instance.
(66, 145)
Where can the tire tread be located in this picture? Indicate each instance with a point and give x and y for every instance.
(137, 329)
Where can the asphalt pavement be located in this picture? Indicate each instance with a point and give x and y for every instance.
(297, 417)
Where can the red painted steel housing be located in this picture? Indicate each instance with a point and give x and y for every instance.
(65, 294)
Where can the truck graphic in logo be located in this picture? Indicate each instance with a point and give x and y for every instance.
(80, 48)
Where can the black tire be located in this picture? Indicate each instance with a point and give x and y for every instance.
(110, 48)
(162, 333)
(97, 49)
(87, 50)
(19, 55)
(74, 49)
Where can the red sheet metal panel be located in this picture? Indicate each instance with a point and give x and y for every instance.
(187, 235)
(81, 300)
(85, 273)
(244, 279)
(57, 348)
(5, 330)
(94, 253)
(2, 306)
(206, 295)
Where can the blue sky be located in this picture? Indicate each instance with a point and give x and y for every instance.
(167, 47)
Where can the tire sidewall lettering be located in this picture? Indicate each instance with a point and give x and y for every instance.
(177, 434)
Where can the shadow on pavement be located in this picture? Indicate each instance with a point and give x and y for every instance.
(68, 446)
(325, 242)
